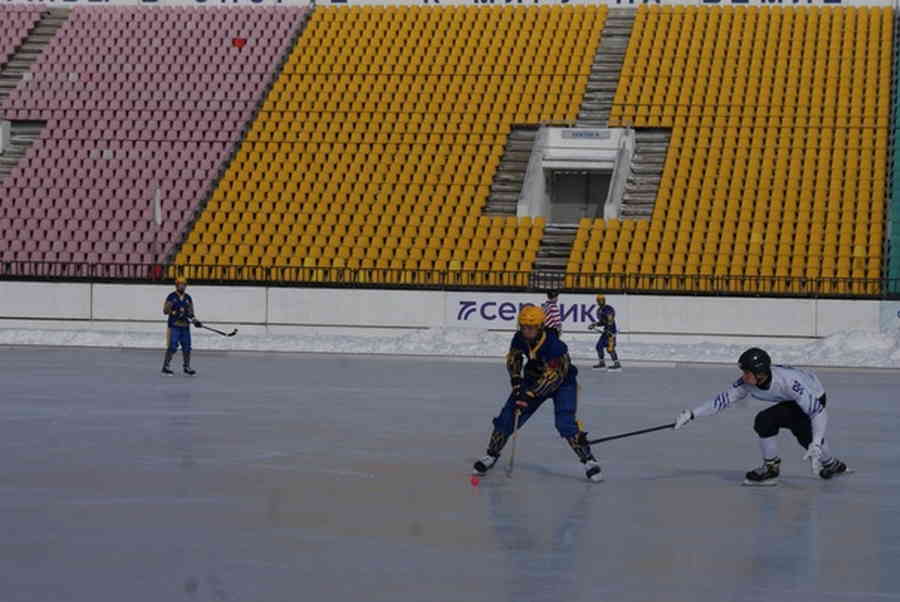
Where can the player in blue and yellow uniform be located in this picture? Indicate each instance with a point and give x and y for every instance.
(606, 319)
(180, 308)
(549, 373)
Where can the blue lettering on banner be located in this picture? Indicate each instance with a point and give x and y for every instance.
(565, 312)
(485, 307)
(466, 309)
(507, 311)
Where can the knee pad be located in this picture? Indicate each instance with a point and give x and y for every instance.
(764, 425)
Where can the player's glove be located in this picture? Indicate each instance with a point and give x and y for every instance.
(683, 418)
(814, 454)
(525, 402)
(516, 383)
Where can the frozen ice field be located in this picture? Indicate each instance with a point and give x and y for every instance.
(287, 476)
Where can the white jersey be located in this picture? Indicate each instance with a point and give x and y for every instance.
(787, 384)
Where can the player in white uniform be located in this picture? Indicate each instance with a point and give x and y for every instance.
(799, 400)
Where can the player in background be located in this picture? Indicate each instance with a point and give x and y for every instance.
(549, 373)
(606, 320)
(179, 307)
(799, 399)
(553, 320)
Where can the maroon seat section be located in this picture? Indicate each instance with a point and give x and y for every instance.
(15, 23)
(135, 100)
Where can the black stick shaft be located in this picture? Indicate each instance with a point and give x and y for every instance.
(512, 453)
(633, 433)
(224, 334)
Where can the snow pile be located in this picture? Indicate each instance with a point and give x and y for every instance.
(849, 348)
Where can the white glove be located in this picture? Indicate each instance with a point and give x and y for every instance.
(683, 418)
(814, 455)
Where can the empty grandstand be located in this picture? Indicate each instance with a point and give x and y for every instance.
(359, 145)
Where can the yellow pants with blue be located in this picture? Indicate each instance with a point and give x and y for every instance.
(565, 405)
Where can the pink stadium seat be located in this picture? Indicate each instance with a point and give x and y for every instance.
(168, 118)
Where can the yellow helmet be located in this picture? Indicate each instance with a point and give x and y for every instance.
(601, 299)
(531, 315)
(180, 280)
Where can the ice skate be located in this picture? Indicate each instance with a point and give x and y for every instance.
(483, 465)
(765, 475)
(593, 471)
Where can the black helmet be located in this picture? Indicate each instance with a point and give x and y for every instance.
(755, 360)
(552, 294)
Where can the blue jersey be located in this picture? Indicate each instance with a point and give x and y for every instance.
(607, 319)
(175, 304)
(549, 366)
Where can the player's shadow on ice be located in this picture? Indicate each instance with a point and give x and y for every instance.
(732, 477)
(572, 473)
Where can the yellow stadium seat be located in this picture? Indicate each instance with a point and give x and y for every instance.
(754, 143)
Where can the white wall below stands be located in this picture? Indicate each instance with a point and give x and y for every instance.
(283, 310)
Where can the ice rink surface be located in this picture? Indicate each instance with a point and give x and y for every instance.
(285, 477)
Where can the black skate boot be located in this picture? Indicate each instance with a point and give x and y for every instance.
(495, 445)
(582, 449)
(600, 364)
(616, 366)
(483, 465)
(166, 369)
(765, 475)
(187, 364)
(593, 471)
(832, 468)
